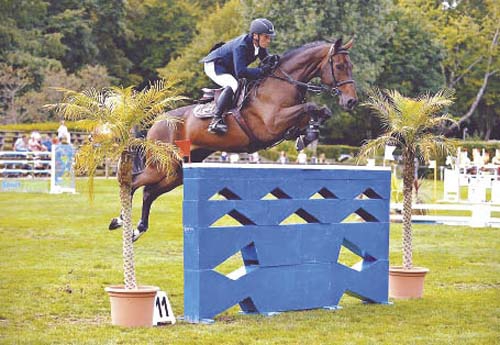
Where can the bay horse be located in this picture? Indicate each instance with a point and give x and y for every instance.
(276, 107)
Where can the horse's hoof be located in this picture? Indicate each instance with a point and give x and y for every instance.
(115, 223)
(136, 234)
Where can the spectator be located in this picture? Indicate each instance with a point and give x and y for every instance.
(55, 140)
(47, 142)
(223, 157)
(302, 157)
(283, 159)
(322, 159)
(22, 144)
(496, 160)
(234, 158)
(255, 157)
(477, 159)
(35, 142)
(63, 133)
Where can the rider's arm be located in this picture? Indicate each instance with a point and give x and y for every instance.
(240, 67)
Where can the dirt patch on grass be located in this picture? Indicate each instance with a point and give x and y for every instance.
(476, 286)
(97, 320)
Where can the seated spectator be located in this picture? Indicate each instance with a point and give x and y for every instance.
(47, 142)
(22, 144)
(223, 156)
(35, 143)
(55, 140)
(234, 158)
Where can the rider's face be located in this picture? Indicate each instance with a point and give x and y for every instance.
(263, 40)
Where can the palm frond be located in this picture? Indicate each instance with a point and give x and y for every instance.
(164, 156)
(371, 147)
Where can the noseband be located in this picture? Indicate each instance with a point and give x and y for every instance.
(334, 89)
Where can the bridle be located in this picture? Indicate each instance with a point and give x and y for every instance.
(322, 87)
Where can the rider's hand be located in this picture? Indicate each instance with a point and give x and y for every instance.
(266, 69)
(274, 60)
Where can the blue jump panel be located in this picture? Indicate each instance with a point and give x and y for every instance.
(291, 265)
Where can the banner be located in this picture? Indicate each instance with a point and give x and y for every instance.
(63, 174)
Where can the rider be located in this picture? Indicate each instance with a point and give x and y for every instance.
(229, 62)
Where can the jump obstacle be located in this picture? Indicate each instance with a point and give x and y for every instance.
(285, 266)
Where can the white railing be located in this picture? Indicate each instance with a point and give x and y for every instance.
(25, 164)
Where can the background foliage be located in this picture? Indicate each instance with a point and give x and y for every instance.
(413, 46)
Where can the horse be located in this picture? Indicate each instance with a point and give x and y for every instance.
(276, 109)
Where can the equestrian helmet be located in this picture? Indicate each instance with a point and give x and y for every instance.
(262, 26)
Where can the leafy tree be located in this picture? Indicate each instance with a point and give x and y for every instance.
(12, 82)
(412, 57)
(110, 35)
(75, 26)
(111, 115)
(33, 102)
(411, 125)
(469, 33)
(159, 29)
(223, 24)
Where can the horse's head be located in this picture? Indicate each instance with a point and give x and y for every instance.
(336, 72)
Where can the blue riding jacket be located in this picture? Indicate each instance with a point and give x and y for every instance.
(234, 56)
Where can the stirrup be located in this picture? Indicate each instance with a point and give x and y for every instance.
(217, 126)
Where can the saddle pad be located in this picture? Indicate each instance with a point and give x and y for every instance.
(204, 111)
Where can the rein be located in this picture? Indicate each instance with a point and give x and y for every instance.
(315, 88)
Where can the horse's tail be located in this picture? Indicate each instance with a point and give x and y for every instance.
(139, 163)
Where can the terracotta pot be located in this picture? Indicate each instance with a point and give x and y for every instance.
(132, 308)
(404, 284)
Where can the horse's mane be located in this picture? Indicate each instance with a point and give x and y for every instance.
(297, 50)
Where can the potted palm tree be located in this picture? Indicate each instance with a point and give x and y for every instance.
(415, 125)
(112, 115)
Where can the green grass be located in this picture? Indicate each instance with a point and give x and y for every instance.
(57, 256)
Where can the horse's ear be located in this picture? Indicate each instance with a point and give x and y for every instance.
(337, 45)
(349, 44)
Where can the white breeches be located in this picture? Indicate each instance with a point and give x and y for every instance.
(221, 79)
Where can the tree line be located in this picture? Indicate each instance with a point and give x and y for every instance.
(413, 46)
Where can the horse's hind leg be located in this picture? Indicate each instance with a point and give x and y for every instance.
(150, 194)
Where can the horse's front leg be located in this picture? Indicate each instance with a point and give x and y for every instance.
(307, 115)
(317, 119)
(295, 116)
(117, 222)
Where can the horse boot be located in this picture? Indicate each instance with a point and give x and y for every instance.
(225, 100)
(312, 133)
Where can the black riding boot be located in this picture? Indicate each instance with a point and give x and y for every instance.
(223, 103)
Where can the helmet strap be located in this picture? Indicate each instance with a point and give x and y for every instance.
(256, 40)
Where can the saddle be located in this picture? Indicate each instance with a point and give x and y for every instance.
(206, 104)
